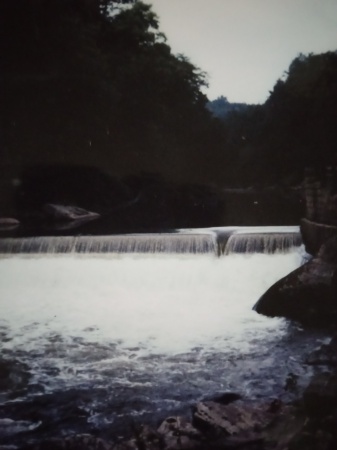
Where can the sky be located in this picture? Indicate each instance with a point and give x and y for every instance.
(245, 46)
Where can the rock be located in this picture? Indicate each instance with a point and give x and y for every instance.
(179, 434)
(326, 355)
(288, 424)
(320, 397)
(308, 294)
(315, 234)
(233, 419)
(319, 440)
(64, 184)
(145, 438)
(226, 398)
(8, 223)
(76, 442)
(67, 213)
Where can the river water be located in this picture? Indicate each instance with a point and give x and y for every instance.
(115, 339)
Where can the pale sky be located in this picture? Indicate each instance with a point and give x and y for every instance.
(246, 45)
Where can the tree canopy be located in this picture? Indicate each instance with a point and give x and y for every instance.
(295, 128)
(93, 82)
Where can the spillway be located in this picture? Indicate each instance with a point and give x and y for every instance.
(268, 243)
(217, 241)
(138, 243)
(121, 330)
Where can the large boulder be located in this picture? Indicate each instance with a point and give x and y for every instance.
(320, 397)
(68, 213)
(86, 187)
(309, 294)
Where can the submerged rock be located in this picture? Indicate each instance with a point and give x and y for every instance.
(309, 294)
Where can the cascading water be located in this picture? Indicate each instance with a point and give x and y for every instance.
(137, 243)
(243, 242)
(218, 240)
(111, 339)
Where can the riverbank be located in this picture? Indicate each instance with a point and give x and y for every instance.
(230, 422)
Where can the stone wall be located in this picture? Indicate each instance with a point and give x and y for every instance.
(320, 222)
(321, 196)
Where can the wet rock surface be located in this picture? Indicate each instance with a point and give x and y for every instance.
(326, 355)
(241, 424)
(309, 294)
(228, 421)
(65, 217)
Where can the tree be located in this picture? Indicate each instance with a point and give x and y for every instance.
(85, 84)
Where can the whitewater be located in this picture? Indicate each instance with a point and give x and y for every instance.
(138, 336)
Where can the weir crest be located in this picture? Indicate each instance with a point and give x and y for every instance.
(219, 241)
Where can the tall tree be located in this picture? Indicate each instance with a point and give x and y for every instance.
(96, 82)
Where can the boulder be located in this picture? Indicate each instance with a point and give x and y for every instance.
(8, 223)
(326, 355)
(320, 397)
(68, 213)
(178, 434)
(308, 294)
(144, 438)
(236, 419)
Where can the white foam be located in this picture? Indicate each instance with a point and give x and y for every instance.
(166, 303)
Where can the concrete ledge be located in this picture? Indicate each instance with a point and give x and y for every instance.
(315, 234)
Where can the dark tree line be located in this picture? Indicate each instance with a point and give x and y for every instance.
(82, 84)
(95, 83)
(296, 127)
(92, 85)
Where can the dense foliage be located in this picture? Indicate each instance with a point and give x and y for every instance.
(295, 128)
(90, 82)
(94, 83)
(221, 107)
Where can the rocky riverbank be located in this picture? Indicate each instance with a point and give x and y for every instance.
(230, 422)
(309, 294)
(225, 422)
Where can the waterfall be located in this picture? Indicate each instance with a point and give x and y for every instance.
(267, 243)
(219, 241)
(137, 243)
(129, 337)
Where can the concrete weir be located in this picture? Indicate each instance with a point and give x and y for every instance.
(218, 241)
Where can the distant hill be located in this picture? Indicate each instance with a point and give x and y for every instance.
(221, 107)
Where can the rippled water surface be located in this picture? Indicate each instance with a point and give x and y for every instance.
(112, 339)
